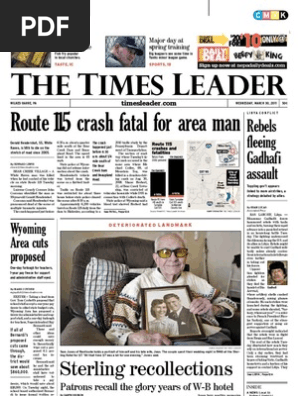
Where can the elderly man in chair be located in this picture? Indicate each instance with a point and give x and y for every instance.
(170, 256)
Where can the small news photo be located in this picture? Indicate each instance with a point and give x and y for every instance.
(125, 51)
(30, 59)
(277, 272)
(99, 271)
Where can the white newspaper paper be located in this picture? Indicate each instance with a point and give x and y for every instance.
(179, 118)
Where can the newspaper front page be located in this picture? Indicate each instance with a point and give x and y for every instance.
(147, 205)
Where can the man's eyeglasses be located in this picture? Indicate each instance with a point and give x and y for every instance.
(166, 253)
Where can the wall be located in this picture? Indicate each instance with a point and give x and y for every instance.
(223, 246)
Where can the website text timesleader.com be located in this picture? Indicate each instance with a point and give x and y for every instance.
(147, 103)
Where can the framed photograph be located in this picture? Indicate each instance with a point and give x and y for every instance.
(166, 310)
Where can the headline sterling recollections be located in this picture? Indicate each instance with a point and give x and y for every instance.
(168, 368)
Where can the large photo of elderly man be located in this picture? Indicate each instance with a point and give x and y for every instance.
(125, 51)
(103, 274)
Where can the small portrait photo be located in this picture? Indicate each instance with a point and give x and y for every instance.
(30, 59)
(125, 51)
(277, 273)
(166, 311)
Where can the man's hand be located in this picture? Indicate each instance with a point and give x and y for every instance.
(142, 337)
(200, 306)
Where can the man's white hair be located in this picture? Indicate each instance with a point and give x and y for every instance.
(173, 234)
